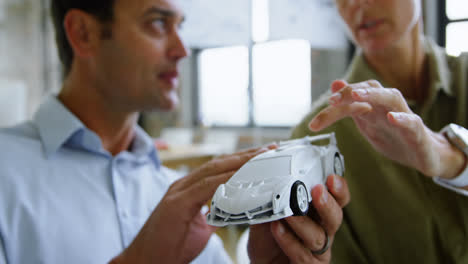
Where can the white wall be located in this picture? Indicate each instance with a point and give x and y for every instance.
(13, 102)
(430, 18)
(27, 49)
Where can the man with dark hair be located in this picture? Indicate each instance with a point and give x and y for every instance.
(82, 183)
(102, 10)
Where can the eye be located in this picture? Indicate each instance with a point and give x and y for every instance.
(180, 25)
(159, 23)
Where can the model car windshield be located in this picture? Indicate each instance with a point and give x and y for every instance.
(265, 168)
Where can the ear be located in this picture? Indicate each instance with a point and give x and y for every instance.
(82, 31)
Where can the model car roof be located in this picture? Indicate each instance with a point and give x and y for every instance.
(286, 150)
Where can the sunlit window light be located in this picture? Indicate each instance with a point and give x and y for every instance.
(457, 9)
(260, 20)
(457, 38)
(281, 82)
(223, 84)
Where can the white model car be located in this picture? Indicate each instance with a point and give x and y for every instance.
(277, 183)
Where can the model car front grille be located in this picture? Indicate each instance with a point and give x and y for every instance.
(264, 211)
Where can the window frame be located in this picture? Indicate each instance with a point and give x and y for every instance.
(197, 111)
(251, 103)
(444, 21)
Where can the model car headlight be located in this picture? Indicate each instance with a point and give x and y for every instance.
(221, 191)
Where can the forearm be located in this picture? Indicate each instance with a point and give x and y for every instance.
(119, 260)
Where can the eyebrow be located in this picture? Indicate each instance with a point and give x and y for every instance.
(163, 12)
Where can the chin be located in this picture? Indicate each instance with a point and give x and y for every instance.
(162, 102)
(377, 45)
(374, 48)
(168, 105)
(169, 108)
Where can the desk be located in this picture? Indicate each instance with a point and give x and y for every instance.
(191, 156)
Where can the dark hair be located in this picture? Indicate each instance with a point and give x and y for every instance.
(103, 10)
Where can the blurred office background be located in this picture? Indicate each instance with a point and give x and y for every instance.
(256, 65)
(256, 68)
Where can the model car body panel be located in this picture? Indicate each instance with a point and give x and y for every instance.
(277, 183)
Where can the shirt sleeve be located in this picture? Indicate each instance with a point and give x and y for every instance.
(444, 184)
(2, 251)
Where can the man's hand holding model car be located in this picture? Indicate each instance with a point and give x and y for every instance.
(264, 193)
(178, 219)
(294, 239)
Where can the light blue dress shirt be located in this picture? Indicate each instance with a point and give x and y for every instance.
(64, 199)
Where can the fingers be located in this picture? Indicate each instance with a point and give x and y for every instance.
(338, 85)
(338, 187)
(370, 92)
(332, 114)
(406, 121)
(219, 165)
(291, 245)
(330, 212)
(389, 98)
(342, 97)
(352, 100)
(200, 185)
(230, 162)
(193, 198)
(304, 234)
(262, 246)
(309, 231)
(248, 151)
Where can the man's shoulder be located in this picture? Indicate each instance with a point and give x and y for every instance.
(24, 130)
(19, 141)
(170, 174)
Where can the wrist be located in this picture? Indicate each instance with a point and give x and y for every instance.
(454, 161)
(117, 260)
(124, 258)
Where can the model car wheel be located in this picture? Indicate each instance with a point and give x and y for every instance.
(299, 202)
(337, 165)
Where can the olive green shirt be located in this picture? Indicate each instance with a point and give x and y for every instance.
(396, 214)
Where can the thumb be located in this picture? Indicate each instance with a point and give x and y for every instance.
(338, 85)
(409, 123)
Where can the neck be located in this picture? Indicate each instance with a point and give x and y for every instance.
(115, 128)
(403, 66)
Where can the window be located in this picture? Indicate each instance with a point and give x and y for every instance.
(223, 86)
(455, 26)
(281, 82)
(266, 84)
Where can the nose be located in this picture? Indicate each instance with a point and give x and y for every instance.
(363, 2)
(353, 10)
(355, 2)
(178, 50)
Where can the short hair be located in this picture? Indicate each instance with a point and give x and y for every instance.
(103, 10)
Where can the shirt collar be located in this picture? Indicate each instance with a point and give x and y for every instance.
(143, 145)
(56, 124)
(439, 67)
(58, 127)
(440, 77)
